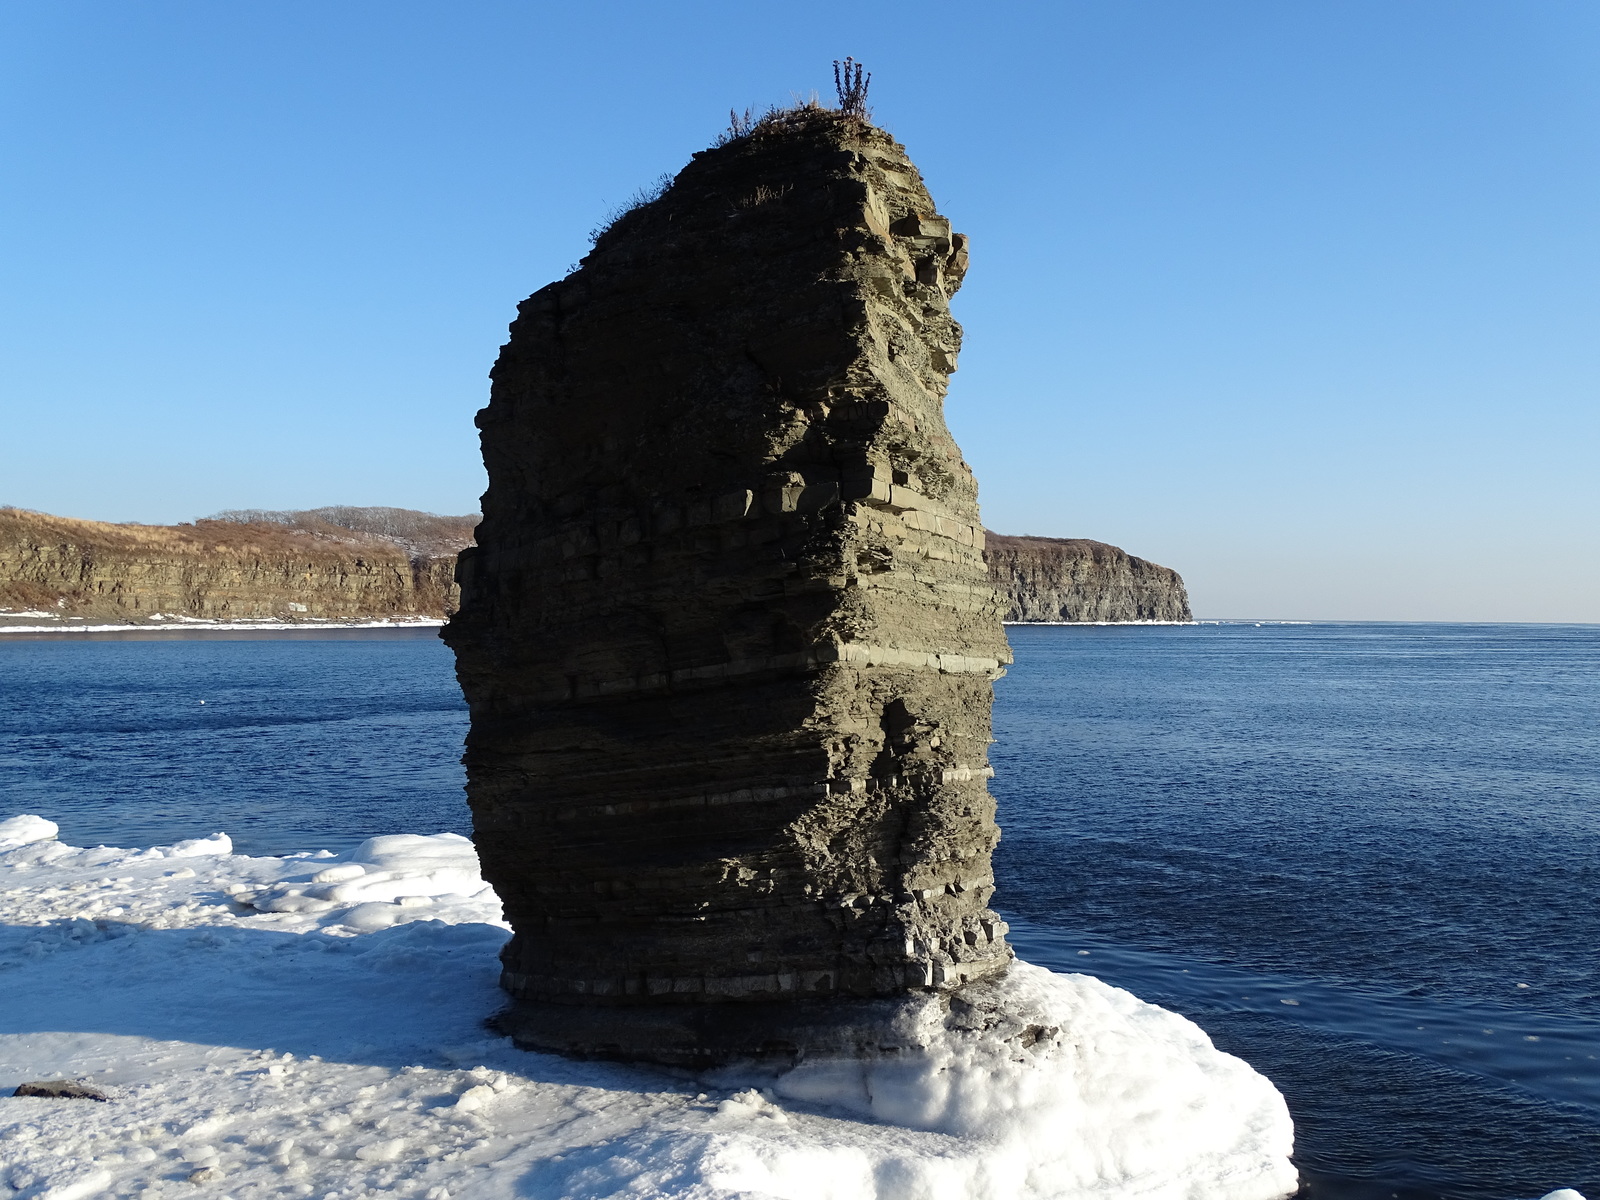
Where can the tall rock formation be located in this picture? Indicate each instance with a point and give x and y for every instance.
(1075, 579)
(727, 636)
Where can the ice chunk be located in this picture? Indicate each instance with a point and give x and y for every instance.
(339, 873)
(71, 1184)
(25, 830)
(476, 1097)
(217, 843)
(370, 917)
(366, 889)
(385, 1151)
(406, 849)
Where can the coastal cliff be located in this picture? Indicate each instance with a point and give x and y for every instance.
(263, 568)
(373, 563)
(1076, 579)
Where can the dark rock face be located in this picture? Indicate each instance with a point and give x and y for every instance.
(728, 636)
(1075, 579)
(59, 1089)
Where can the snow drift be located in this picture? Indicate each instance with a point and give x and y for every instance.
(312, 1025)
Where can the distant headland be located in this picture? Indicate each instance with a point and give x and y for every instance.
(354, 564)
(1075, 580)
(326, 564)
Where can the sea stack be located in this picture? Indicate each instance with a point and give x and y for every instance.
(728, 636)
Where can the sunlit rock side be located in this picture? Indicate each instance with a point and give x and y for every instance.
(1058, 580)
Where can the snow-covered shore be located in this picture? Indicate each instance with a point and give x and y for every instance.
(313, 1025)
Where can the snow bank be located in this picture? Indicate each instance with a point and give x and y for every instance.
(366, 886)
(312, 1025)
(1058, 1084)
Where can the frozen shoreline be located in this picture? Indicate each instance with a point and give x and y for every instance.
(1240, 621)
(312, 1025)
(1054, 623)
(198, 625)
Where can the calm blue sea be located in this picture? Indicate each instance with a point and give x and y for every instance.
(1364, 857)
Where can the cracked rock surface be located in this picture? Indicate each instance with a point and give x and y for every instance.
(728, 636)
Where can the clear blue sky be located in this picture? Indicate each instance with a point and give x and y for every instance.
(1300, 298)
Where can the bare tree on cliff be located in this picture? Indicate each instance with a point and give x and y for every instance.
(851, 83)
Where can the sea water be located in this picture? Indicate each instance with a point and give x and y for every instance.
(285, 741)
(1363, 857)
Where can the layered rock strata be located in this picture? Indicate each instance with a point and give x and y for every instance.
(214, 570)
(727, 635)
(1075, 579)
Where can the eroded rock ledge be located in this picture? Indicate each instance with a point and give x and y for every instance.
(727, 635)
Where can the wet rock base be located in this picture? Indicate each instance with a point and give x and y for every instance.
(774, 1033)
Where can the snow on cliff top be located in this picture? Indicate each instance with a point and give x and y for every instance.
(313, 1026)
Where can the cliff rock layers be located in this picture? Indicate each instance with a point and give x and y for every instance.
(1075, 579)
(728, 636)
(218, 570)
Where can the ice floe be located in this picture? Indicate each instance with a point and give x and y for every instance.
(313, 1025)
(24, 830)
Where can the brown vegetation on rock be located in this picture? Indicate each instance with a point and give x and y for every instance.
(419, 533)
